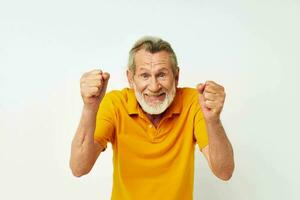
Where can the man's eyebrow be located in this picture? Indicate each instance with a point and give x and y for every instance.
(142, 68)
(163, 69)
(160, 70)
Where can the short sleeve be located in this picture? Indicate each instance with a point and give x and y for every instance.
(105, 122)
(200, 131)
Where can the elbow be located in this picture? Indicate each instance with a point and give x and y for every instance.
(78, 171)
(225, 174)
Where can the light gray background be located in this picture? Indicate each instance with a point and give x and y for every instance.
(251, 47)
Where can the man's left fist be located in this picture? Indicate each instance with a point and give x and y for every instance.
(211, 99)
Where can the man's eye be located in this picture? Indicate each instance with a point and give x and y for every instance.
(144, 75)
(161, 75)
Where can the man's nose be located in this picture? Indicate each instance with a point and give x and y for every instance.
(154, 85)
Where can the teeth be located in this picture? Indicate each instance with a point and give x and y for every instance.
(155, 95)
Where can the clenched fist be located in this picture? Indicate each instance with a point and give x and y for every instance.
(93, 86)
(211, 98)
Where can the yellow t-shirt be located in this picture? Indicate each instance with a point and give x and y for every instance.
(151, 163)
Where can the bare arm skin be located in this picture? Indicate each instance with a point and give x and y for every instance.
(84, 150)
(219, 152)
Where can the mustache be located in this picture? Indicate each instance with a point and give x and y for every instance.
(155, 93)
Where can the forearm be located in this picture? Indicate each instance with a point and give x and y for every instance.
(84, 150)
(220, 150)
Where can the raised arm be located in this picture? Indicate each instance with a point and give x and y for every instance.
(84, 150)
(219, 152)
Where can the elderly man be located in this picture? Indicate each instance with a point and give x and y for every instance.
(153, 127)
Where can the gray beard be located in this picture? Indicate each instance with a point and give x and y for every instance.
(158, 108)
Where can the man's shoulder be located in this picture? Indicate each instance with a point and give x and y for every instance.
(189, 99)
(188, 90)
(119, 95)
(123, 100)
(187, 93)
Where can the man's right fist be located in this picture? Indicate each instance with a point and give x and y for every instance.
(93, 86)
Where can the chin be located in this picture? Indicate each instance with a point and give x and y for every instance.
(154, 108)
(155, 105)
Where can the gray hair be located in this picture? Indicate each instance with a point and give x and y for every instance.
(152, 45)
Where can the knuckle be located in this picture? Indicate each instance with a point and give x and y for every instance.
(95, 89)
(82, 79)
(97, 71)
(97, 76)
(82, 86)
(208, 87)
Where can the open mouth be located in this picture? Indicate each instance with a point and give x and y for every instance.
(157, 98)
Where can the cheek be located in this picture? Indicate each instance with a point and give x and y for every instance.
(140, 86)
(168, 85)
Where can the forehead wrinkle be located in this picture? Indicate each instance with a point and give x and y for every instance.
(155, 70)
(152, 60)
(153, 63)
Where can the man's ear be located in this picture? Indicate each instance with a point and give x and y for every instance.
(129, 74)
(177, 76)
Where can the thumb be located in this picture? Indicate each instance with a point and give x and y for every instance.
(105, 79)
(200, 87)
(105, 76)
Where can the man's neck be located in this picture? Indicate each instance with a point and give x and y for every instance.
(155, 119)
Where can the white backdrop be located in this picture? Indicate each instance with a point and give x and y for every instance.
(251, 47)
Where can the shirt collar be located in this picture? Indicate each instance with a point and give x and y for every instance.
(132, 103)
